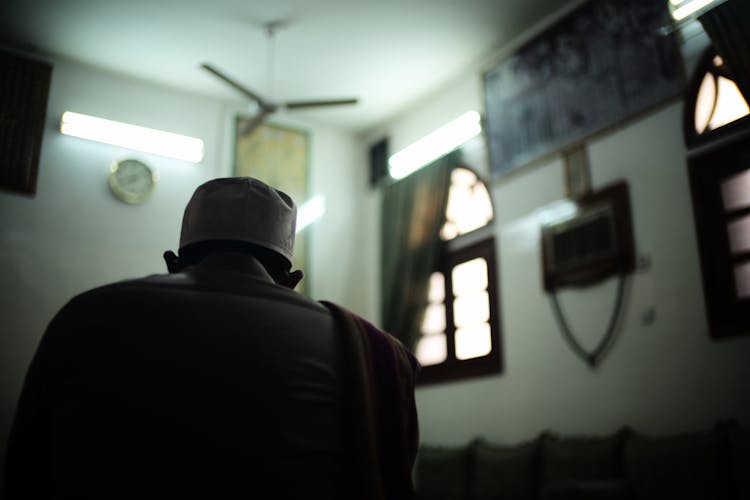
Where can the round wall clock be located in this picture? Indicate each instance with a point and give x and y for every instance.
(132, 181)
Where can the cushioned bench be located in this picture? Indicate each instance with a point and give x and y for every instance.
(710, 465)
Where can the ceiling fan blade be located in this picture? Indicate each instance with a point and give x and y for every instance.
(253, 123)
(238, 86)
(312, 104)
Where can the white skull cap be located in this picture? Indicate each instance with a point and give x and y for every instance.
(241, 209)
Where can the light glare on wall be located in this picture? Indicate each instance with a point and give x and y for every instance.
(684, 8)
(556, 212)
(310, 211)
(144, 139)
(434, 145)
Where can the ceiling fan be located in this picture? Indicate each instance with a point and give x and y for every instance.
(268, 106)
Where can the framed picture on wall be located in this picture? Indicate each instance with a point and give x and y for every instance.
(576, 169)
(604, 63)
(279, 156)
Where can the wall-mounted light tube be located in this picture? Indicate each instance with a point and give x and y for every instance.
(310, 211)
(133, 137)
(434, 145)
(684, 8)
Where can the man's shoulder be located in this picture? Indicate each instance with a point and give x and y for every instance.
(179, 286)
(150, 282)
(178, 302)
(179, 282)
(378, 341)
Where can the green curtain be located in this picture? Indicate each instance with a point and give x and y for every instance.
(413, 211)
(728, 26)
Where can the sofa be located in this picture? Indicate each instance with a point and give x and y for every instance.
(709, 465)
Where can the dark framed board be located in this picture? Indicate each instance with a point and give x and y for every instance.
(24, 89)
(605, 62)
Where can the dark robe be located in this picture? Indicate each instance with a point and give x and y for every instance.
(211, 383)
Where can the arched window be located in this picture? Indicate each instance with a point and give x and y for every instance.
(714, 100)
(460, 333)
(717, 133)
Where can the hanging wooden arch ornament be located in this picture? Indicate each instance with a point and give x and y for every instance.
(592, 244)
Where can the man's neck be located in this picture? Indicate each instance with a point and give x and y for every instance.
(235, 262)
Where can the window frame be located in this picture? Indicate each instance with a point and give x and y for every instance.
(478, 243)
(714, 156)
(728, 315)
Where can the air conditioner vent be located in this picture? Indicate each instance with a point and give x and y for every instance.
(594, 243)
(584, 239)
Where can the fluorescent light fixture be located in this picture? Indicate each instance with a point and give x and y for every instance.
(310, 211)
(684, 8)
(134, 137)
(434, 145)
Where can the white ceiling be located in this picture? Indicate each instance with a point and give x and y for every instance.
(388, 53)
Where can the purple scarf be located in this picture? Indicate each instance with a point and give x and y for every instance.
(380, 374)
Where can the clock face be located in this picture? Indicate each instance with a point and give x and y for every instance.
(132, 181)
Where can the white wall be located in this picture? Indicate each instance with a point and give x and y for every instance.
(74, 235)
(662, 377)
